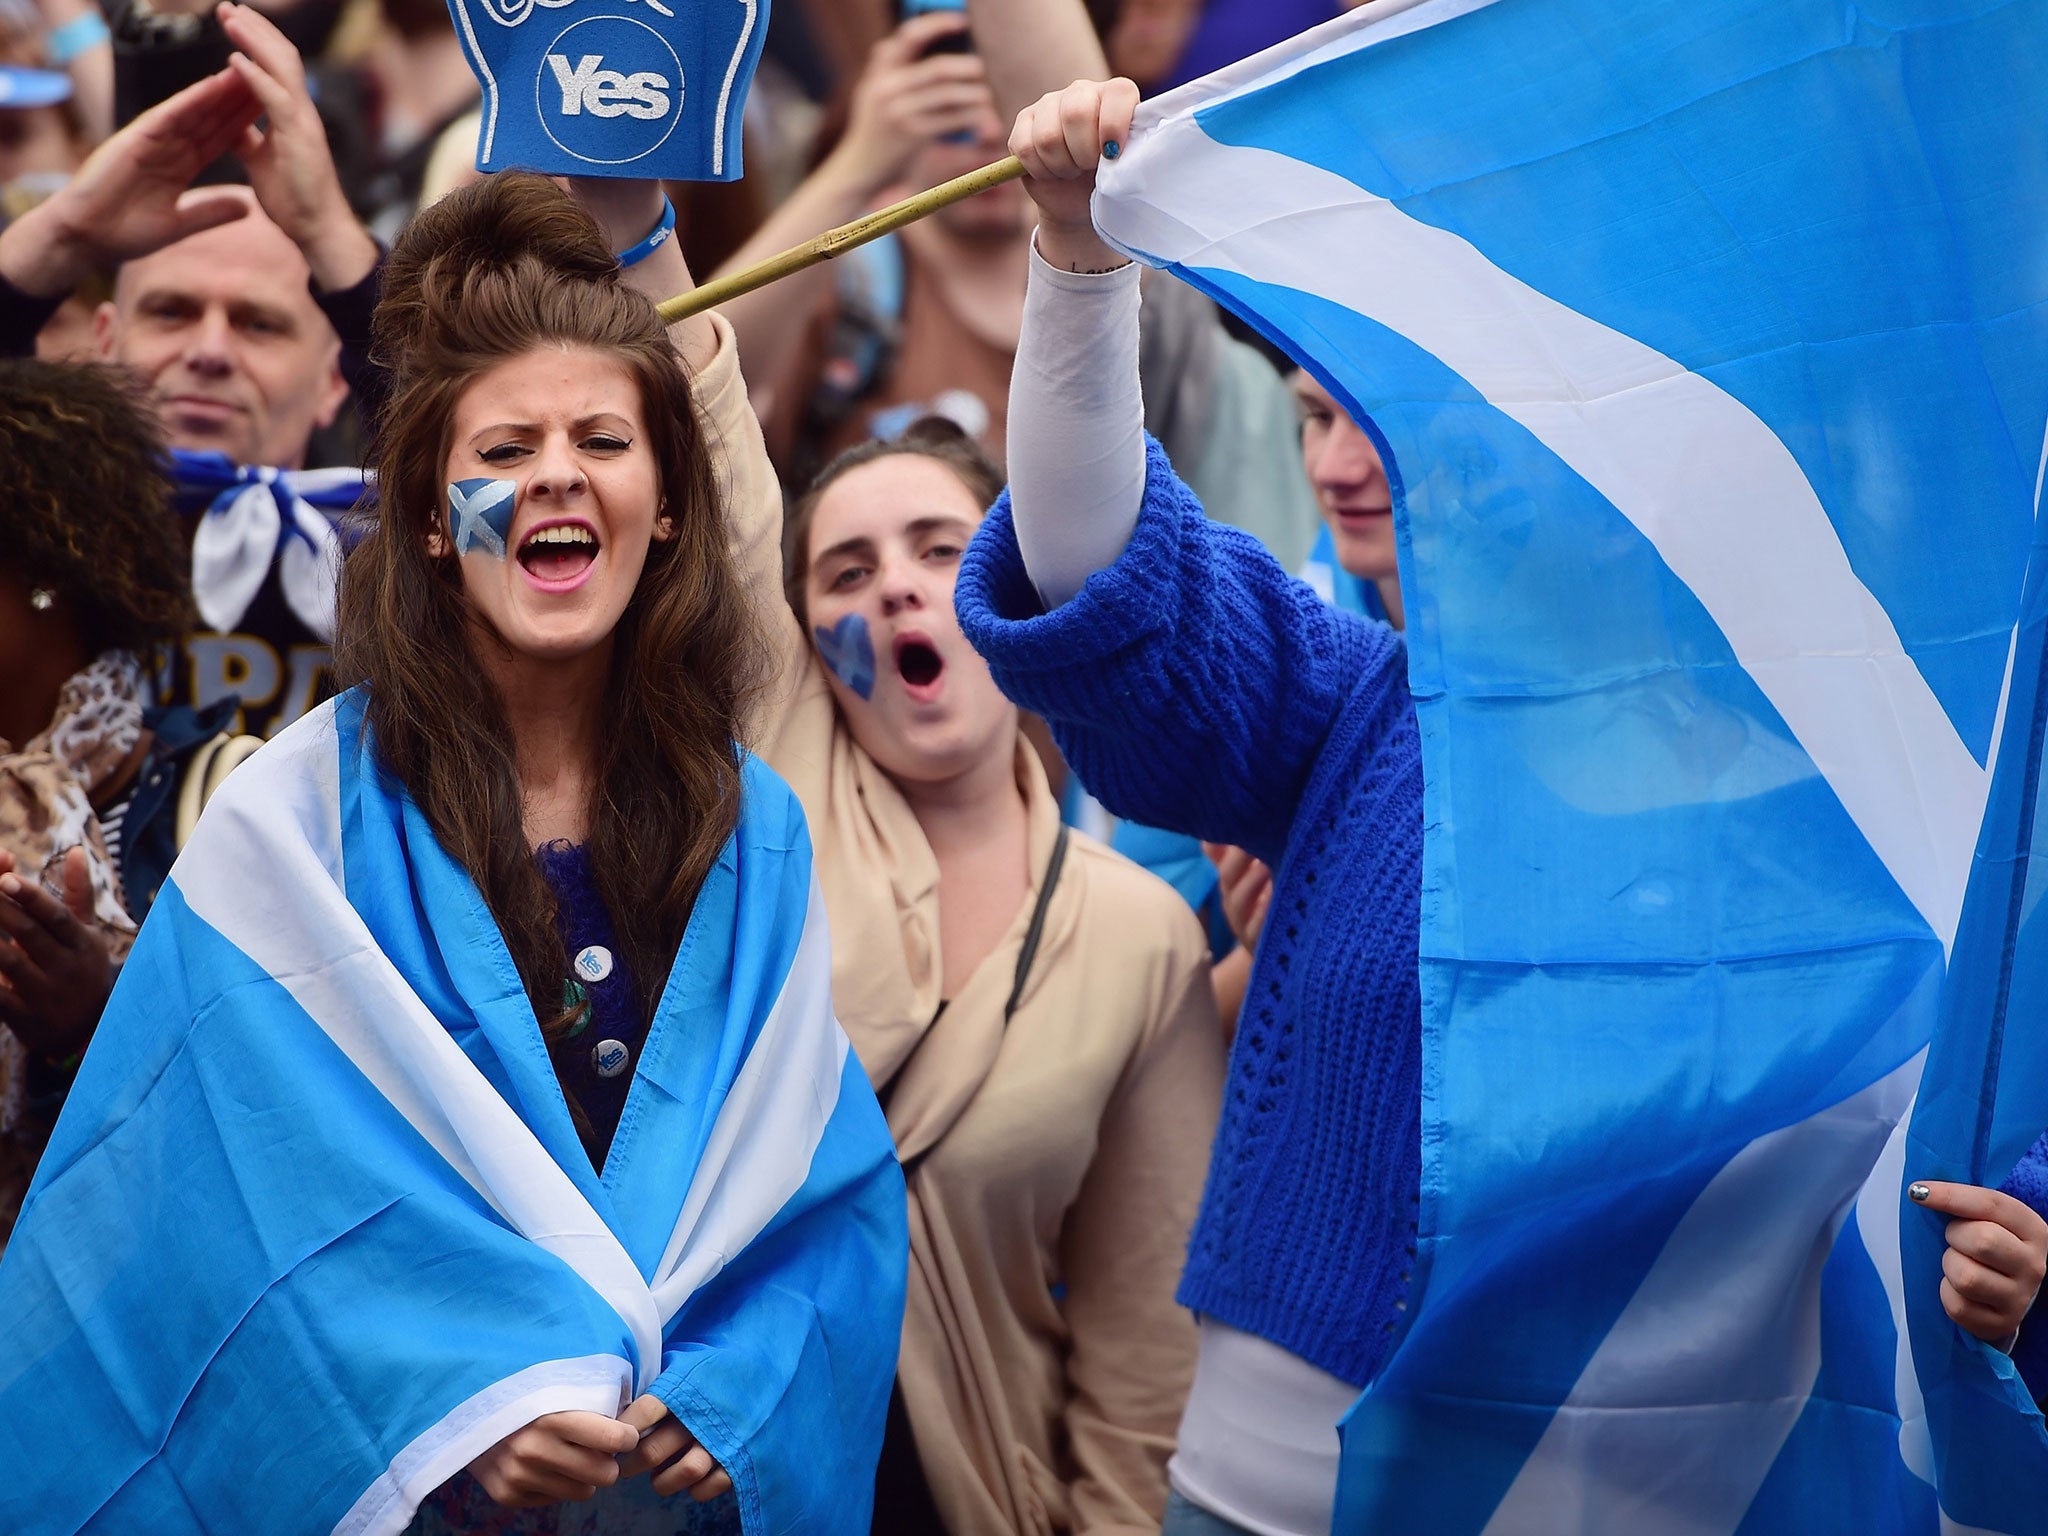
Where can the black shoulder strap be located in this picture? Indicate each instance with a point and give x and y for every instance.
(1025, 957)
(1036, 931)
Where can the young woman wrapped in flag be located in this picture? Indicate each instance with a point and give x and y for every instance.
(472, 1098)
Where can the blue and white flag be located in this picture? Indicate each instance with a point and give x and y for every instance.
(252, 517)
(1706, 342)
(639, 88)
(1337, 586)
(316, 1229)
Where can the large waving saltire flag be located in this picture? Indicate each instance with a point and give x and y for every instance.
(315, 1228)
(1707, 342)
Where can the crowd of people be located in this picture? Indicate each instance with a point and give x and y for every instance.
(1069, 614)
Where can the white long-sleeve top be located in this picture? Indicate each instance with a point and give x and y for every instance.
(1076, 425)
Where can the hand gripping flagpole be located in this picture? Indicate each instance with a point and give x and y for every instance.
(836, 242)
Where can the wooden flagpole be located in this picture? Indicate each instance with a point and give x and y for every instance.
(836, 242)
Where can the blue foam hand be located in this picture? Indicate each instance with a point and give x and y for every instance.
(480, 514)
(849, 652)
(639, 88)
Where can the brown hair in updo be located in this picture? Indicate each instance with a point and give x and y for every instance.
(487, 274)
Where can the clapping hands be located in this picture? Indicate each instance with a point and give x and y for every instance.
(56, 970)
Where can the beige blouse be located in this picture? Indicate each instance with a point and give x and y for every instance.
(1058, 1162)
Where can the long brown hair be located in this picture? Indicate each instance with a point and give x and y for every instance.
(489, 273)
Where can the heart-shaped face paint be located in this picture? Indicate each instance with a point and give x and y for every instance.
(849, 652)
(480, 515)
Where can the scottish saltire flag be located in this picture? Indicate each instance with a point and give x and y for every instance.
(316, 1229)
(1707, 341)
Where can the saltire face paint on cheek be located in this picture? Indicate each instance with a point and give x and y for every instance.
(848, 651)
(480, 515)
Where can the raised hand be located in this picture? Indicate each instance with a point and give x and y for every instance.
(906, 98)
(131, 196)
(671, 1453)
(1062, 138)
(557, 1458)
(1997, 1254)
(1247, 888)
(290, 167)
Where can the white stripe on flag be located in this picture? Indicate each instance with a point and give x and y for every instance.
(768, 1129)
(592, 1384)
(285, 910)
(1680, 1414)
(1753, 543)
(1365, 26)
(2040, 474)
(1877, 1224)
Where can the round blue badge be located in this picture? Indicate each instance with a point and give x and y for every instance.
(610, 90)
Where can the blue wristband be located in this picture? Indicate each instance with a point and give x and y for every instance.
(79, 35)
(656, 239)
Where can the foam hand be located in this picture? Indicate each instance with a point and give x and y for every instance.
(636, 88)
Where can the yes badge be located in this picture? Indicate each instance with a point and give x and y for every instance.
(641, 88)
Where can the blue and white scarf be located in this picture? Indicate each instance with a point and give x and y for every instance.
(256, 516)
(315, 1228)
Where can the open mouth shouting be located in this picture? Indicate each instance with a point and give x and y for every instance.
(920, 665)
(558, 556)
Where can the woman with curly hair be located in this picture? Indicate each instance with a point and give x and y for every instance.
(485, 1022)
(93, 588)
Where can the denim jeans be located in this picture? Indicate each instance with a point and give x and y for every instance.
(1185, 1519)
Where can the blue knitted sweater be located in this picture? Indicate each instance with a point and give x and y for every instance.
(1194, 685)
(2029, 1182)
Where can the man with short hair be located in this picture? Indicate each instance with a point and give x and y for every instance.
(223, 332)
(232, 306)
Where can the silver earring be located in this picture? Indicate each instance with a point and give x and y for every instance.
(41, 598)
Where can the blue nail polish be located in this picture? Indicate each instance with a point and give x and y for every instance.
(1111, 150)
(1918, 1192)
